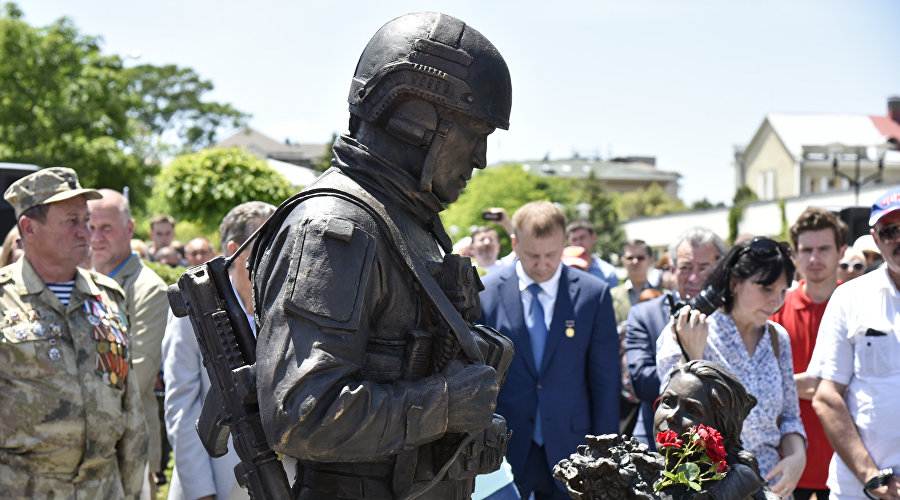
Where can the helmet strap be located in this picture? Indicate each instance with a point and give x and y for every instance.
(437, 142)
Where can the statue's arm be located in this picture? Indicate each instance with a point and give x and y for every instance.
(312, 351)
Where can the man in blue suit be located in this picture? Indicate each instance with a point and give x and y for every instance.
(695, 254)
(564, 380)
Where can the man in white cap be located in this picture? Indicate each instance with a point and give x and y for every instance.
(70, 412)
(856, 358)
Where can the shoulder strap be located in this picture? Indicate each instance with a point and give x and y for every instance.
(356, 195)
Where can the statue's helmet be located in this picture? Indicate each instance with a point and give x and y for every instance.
(437, 58)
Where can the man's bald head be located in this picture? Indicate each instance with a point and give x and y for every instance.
(111, 230)
(112, 200)
(197, 251)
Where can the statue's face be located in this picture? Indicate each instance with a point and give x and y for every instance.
(463, 150)
(683, 404)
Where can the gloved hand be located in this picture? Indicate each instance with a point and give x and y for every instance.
(472, 391)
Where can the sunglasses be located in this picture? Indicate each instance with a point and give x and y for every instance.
(888, 234)
(857, 266)
(766, 248)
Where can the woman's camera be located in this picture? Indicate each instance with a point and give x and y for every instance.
(707, 301)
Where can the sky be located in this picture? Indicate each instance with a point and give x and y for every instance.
(685, 81)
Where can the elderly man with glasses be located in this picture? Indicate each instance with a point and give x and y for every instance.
(856, 358)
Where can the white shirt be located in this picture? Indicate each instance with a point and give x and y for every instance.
(869, 365)
(547, 296)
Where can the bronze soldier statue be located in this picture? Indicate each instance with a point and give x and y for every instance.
(369, 370)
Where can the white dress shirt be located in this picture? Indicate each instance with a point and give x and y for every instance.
(547, 295)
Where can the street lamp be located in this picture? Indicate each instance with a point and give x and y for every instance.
(837, 150)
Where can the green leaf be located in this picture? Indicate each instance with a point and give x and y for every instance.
(690, 470)
(695, 486)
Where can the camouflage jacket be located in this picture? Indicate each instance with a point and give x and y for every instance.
(70, 413)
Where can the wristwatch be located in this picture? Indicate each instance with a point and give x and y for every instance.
(881, 479)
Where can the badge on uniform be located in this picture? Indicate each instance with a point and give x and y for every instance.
(108, 331)
(27, 325)
(12, 316)
(570, 328)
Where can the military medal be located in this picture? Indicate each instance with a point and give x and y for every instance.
(570, 328)
(11, 316)
(38, 329)
(109, 332)
(54, 353)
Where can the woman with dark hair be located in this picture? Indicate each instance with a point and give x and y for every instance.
(752, 278)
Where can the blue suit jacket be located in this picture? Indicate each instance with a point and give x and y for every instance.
(579, 381)
(646, 321)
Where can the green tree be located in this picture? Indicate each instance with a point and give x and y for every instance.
(204, 186)
(169, 104)
(705, 204)
(650, 201)
(603, 213)
(506, 186)
(63, 103)
(742, 195)
(325, 162)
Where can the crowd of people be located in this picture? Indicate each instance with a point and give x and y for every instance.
(89, 337)
(774, 295)
(806, 326)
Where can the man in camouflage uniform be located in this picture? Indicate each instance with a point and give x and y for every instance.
(146, 304)
(70, 414)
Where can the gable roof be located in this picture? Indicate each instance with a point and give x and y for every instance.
(799, 130)
(263, 145)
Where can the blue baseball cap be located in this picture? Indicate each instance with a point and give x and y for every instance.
(884, 205)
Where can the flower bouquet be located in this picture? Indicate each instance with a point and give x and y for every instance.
(696, 459)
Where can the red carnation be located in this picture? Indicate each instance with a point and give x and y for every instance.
(721, 466)
(668, 439)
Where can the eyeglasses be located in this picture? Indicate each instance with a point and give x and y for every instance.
(888, 234)
(857, 266)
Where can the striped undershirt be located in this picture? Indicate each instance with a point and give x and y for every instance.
(62, 290)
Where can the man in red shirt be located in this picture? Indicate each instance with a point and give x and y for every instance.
(819, 241)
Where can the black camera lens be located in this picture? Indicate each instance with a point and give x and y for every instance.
(707, 301)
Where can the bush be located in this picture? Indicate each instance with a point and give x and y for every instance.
(204, 186)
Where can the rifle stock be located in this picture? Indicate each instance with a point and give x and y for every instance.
(228, 348)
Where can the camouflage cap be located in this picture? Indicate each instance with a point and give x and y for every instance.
(47, 185)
